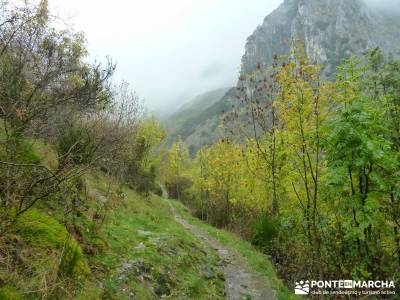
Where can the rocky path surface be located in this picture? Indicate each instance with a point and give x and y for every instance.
(241, 282)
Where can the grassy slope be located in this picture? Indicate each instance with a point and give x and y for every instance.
(255, 259)
(149, 254)
(137, 250)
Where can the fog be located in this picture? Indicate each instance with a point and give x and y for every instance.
(385, 5)
(169, 51)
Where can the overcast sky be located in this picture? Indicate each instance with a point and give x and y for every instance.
(169, 51)
(384, 4)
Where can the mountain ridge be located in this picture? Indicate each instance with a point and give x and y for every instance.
(331, 31)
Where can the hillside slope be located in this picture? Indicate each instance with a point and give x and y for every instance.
(193, 107)
(137, 250)
(197, 121)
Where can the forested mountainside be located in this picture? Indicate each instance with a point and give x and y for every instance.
(201, 123)
(183, 122)
(331, 30)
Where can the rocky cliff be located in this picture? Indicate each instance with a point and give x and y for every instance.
(330, 29)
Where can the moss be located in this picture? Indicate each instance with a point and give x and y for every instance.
(73, 263)
(42, 231)
(9, 293)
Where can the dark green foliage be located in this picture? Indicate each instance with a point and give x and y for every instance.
(145, 182)
(263, 231)
(20, 150)
(76, 144)
(177, 188)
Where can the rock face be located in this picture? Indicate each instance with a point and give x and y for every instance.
(330, 29)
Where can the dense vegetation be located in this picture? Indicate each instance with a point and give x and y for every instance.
(316, 182)
(63, 122)
(310, 174)
(81, 215)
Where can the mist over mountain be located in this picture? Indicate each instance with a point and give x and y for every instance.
(206, 107)
(389, 6)
(331, 31)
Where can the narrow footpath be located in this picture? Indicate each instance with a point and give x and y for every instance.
(241, 282)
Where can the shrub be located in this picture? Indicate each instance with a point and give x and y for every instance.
(263, 231)
(177, 188)
(157, 189)
(73, 263)
(144, 181)
(76, 144)
(22, 150)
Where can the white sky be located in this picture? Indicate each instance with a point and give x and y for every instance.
(168, 50)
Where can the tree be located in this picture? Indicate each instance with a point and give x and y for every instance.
(302, 111)
(361, 161)
(141, 170)
(221, 170)
(257, 93)
(175, 171)
(48, 90)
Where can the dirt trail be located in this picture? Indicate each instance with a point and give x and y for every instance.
(241, 282)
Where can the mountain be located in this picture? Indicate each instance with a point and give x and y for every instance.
(191, 109)
(331, 30)
(196, 122)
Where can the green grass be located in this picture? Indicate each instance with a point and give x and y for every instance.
(138, 249)
(9, 293)
(258, 261)
(148, 254)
